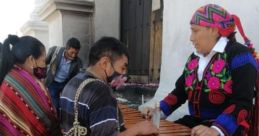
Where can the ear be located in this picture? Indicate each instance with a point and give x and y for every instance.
(104, 62)
(30, 60)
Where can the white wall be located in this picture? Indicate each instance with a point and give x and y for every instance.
(43, 36)
(35, 27)
(176, 31)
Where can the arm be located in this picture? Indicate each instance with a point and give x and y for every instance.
(141, 128)
(174, 99)
(104, 115)
(110, 125)
(75, 68)
(102, 110)
(80, 63)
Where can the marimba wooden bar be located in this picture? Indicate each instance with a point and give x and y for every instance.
(132, 116)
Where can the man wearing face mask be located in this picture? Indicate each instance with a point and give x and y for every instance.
(63, 64)
(98, 111)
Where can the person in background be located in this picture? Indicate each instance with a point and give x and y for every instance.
(218, 79)
(25, 104)
(98, 109)
(63, 64)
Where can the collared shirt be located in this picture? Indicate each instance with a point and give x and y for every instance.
(63, 69)
(204, 60)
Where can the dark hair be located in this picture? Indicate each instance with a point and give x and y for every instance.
(73, 43)
(232, 37)
(16, 50)
(107, 46)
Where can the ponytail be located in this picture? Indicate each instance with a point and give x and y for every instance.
(232, 37)
(7, 56)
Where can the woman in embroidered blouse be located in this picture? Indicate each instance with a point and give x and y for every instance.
(25, 106)
(218, 79)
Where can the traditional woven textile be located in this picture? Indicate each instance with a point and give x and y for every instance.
(25, 107)
(212, 15)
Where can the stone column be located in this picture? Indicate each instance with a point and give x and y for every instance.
(69, 18)
(35, 27)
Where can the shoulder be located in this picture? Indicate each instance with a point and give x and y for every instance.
(53, 48)
(78, 60)
(236, 49)
(60, 49)
(94, 88)
(98, 89)
(192, 59)
(239, 55)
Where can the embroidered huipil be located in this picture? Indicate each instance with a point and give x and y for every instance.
(219, 89)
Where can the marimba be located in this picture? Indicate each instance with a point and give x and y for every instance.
(132, 116)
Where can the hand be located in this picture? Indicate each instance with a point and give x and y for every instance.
(145, 128)
(118, 81)
(202, 130)
(147, 112)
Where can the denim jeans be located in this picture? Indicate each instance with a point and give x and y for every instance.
(55, 90)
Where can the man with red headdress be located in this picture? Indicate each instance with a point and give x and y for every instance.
(218, 79)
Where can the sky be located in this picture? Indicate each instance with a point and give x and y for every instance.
(13, 14)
